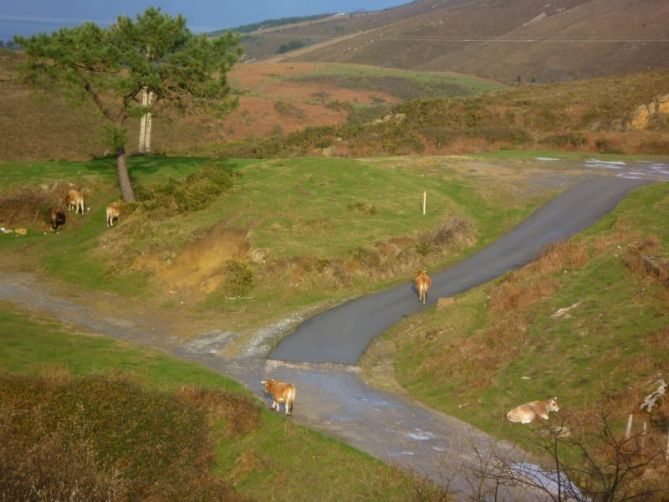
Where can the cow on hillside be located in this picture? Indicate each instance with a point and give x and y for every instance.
(74, 200)
(281, 392)
(526, 413)
(113, 212)
(423, 284)
(57, 219)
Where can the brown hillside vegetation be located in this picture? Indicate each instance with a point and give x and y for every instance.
(40, 126)
(599, 115)
(60, 441)
(320, 109)
(499, 39)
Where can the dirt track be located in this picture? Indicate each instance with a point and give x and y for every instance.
(331, 397)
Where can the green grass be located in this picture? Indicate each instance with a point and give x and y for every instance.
(318, 221)
(278, 459)
(610, 346)
(404, 84)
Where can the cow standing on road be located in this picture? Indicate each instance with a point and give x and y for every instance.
(423, 283)
(281, 392)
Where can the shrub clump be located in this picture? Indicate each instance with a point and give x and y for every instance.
(94, 438)
(239, 277)
(194, 193)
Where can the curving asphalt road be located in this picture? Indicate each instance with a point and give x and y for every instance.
(333, 398)
(342, 334)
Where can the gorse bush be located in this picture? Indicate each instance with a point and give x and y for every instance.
(239, 277)
(194, 193)
(97, 439)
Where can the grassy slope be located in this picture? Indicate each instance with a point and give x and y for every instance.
(294, 212)
(499, 346)
(404, 84)
(276, 460)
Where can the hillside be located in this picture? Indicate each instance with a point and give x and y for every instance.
(274, 98)
(622, 114)
(587, 322)
(499, 39)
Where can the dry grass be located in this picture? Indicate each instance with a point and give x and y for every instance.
(640, 261)
(239, 413)
(97, 439)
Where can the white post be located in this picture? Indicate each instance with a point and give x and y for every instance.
(666, 455)
(424, 202)
(628, 431)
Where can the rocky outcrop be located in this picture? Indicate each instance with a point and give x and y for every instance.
(644, 114)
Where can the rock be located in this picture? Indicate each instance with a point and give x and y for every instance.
(645, 113)
(329, 151)
(21, 231)
(443, 303)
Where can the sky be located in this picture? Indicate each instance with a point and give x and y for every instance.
(27, 17)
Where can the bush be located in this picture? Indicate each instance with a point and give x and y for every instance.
(605, 146)
(569, 140)
(99, 439)
(291, 46)
(239, 277)
(194, 193)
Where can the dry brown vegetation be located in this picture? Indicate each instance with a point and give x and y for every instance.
(32, 207)
(275, 107)
(39, 126)
(530, 40)
(477, 357)
(97, 439)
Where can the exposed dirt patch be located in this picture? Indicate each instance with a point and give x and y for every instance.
(199, 268)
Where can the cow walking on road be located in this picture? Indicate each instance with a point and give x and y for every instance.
(281, 392)
(423, 284)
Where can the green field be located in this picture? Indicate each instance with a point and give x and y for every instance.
(402, 84)
(268, 457)
(310, 230)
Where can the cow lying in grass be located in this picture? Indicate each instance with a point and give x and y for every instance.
(423, 283)
(281, 392)
(113, 212)
(57, 219)
(526, 413)
(74, 200)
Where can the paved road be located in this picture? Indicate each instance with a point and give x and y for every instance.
(332, 398)
(342, 334)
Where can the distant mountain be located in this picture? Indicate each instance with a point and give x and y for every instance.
(508, 40)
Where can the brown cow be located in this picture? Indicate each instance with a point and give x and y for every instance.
(423, 284)
(281, 392)
(57, 219)
(75, 200)
(113, 212)
(526, 413)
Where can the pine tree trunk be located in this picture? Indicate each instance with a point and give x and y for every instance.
(123, 178)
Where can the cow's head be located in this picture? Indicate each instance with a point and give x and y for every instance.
(552, 404)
